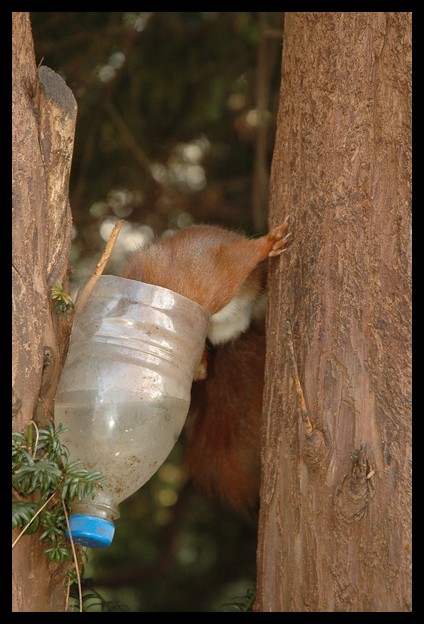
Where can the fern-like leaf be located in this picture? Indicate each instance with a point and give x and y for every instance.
(59, 551)
(22, 514)
(44, 475)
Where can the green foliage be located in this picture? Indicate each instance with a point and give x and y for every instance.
(23, 513)
(244, 604)
(63, 301)
(92, 600)
(40, 467)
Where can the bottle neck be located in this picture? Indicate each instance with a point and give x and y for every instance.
(100, 506)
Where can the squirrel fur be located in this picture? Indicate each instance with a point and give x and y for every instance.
(224, 272)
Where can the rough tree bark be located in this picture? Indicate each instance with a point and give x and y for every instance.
(43, 125)
(335, 520)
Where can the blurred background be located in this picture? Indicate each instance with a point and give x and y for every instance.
(176, 123)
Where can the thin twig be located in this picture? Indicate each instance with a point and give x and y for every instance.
(68, 591)
(36, 439)
(108, 249)
(32, 519)
(84, 296)
(74, 553)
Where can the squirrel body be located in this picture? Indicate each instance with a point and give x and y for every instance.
(224, 272)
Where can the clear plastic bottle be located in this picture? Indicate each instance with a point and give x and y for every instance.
(124, 392)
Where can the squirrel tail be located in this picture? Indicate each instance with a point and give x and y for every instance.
(224, 423)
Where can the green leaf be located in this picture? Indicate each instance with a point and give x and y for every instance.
(62, 299)
(44, 475)
(22, 514)
(79, 482)
(49, 443)
(20, 450)
(59, 551)
(54, 522)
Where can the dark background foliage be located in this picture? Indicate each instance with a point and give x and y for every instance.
(176, 118)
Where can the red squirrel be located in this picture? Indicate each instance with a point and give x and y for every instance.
(224, 272)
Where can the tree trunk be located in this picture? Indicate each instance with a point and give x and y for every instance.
(335, 520)
(43, 125)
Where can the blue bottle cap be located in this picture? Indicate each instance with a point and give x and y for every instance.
(91, 531)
